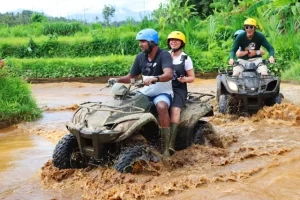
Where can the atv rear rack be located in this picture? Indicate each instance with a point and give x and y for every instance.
(119, 109)
(196, 97)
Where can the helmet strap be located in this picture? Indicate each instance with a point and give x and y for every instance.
(151, 45)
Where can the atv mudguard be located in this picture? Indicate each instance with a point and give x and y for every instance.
(92, 141)
(190, 116)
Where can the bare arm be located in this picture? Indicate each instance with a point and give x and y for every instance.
(189, 78)
(166, 76)
(125, 79)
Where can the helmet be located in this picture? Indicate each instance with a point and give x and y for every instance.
(238, 32)
(250, 21)
(177, 35)
(148, 34)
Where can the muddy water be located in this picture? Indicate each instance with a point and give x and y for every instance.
(260, 160)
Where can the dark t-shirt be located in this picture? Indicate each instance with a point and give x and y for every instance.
(155, 67)
(255, 43)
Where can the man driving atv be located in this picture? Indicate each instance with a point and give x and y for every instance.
(156, 68)
(239, 52)
(250, 42)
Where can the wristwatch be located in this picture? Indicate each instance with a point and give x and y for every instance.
(258, 52)
(157, 78)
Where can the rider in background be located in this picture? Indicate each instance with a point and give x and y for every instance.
(156, 68)
(250, 43)
(239, 53)
(183, 74)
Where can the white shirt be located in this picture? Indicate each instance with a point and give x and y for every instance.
(188, 62)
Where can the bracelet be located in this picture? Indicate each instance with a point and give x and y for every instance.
(157, 78)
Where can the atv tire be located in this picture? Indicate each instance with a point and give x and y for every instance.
(274, 100)
(205, 134)
(133, 159)
(63, 152)
(223, 104)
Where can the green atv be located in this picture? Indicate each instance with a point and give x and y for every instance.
(125, 131)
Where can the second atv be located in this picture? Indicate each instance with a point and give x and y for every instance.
(248, 92)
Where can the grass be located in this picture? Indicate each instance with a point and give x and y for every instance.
(16, 101)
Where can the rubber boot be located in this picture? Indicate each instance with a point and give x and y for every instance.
(174, 131)
(165, 139)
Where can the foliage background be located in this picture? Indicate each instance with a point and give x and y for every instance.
(208, 26)
(36, 46)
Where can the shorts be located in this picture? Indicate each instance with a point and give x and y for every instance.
(161, 97)
(179, 97)
(261, 69)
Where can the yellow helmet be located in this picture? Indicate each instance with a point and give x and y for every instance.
(177, 35)
(250, 21)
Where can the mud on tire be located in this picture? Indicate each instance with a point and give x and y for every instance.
(132, 159)
(205, 134)
(274, 100)
(63, 152)
(222, 104)
(228, 104)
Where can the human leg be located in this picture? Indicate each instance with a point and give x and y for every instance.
(237, 70)
(162, 103)
(177, 105)
(175, 118)
(263, 70)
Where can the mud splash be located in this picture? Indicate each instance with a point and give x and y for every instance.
(255, 145)
(259, 161)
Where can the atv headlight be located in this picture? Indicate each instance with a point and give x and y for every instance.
(232, 86)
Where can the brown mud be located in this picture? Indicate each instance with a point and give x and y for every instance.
(259, 161)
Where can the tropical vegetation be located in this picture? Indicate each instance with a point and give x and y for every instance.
(36, 46)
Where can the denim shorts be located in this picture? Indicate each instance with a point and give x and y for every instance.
(161, 97)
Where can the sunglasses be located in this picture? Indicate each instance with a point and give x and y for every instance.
(251, 27)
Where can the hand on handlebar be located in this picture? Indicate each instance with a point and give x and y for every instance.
(111, 81)
(150, 81)
(231, 61)
(272, 59)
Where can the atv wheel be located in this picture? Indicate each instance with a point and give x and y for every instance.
(205, 134)
(274, 100)
(133, 159)
(223, 104)
(66, 154)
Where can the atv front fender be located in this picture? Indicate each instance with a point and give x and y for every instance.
(133, 123)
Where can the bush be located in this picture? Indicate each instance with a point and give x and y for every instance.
(68, 67)
(16, 101)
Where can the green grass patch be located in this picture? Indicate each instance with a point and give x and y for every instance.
(16, 101)
(292, 73)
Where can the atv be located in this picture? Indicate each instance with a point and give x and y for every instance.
(248, 92)
(125, 131)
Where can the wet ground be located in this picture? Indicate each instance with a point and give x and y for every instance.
(260, 160)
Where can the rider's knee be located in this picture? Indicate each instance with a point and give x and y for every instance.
(162, 106)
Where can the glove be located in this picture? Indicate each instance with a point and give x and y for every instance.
(112, 81)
